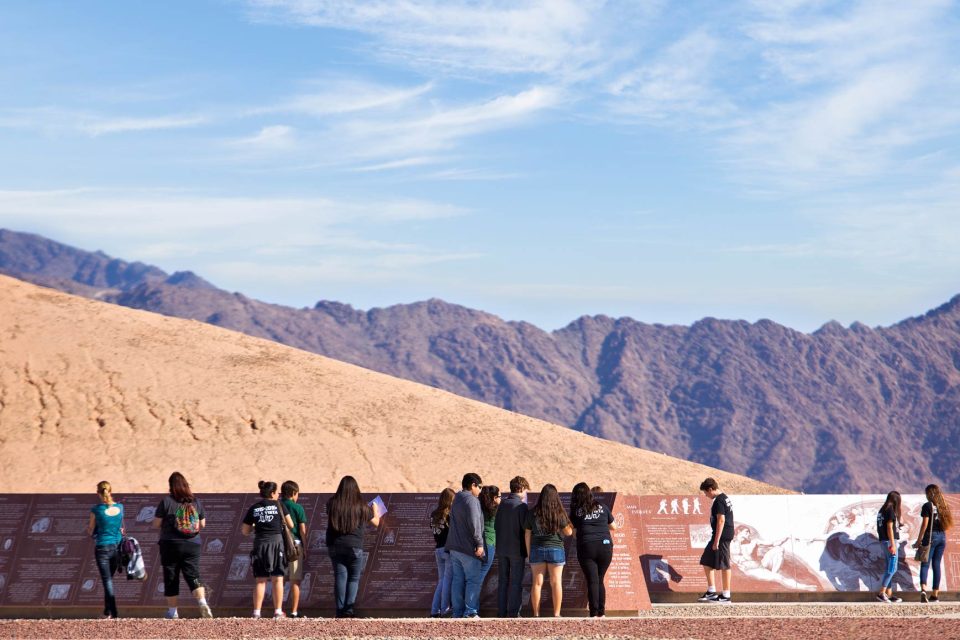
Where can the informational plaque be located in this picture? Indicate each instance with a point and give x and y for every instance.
(782, 544)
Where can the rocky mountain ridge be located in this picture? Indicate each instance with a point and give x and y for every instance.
(838, 410)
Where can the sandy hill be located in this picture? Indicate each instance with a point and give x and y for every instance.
(92, 391)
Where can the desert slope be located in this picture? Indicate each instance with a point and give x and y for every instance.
(90, 390)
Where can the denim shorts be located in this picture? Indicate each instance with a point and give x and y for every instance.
(550, 555)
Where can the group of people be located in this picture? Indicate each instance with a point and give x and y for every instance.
(478, 523)
(931, 542)
(180, 516)
(470, 528)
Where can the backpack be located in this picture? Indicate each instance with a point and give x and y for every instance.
(131, 559)
(187, 520)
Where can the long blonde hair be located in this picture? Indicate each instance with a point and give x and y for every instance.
(105, 491)
(935, 496)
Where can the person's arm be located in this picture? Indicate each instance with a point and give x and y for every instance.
(476, 519)
(891, 544)
(157, 523)
(203, 523)
(567, 530)
(526, 540)
(721, 520)
(91, 525)
(288, 520)
(923, 529)
(246, 529)
(375, 520)
(303, 531)
(611, 522)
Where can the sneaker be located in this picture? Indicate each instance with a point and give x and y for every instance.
(934, 599)
(895, 599)
(434, 615)
(708, 596)
(205, 611)
(297, 616)
(923, 597)
(255, 616)
(882, 597)
(171, 616)
(279, 615)
(472, 616)
(722, 599)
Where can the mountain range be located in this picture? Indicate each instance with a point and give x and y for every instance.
(843, 409)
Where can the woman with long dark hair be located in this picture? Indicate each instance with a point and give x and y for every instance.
(544, 525)
(593, 523)
(936, 520)
(489, 503)
(888, 530)
(266, 519)
(180, 518)
(347, 515)
(440, 526)
(106, 527)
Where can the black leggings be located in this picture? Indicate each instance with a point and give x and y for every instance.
(594, 559)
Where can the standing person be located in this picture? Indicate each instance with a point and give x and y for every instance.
(440, 526)
(465, 544)
(489, 503)
(936, 520)
(266, 520)
(544, 525)
(511, 548)
(716, 555)
(180, 518)
(593, 523)
(347, 515)
(290, 491)
(106, 527)
(888, 530)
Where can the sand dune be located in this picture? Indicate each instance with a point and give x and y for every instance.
(92, 391)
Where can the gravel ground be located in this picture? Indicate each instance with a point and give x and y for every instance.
(680, 622)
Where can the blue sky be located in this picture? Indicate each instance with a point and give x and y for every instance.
(794, 160)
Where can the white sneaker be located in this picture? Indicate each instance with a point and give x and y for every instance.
(205, 611)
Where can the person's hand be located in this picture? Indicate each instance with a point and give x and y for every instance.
(716, 545)
(893, 550)
(478, 552)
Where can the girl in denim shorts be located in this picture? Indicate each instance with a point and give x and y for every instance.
(544, 524)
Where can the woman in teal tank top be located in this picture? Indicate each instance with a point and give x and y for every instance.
(106, 527)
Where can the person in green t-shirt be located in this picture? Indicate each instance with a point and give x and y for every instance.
(291, 493)
(489, 502)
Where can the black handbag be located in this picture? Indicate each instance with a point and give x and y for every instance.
(290, 549)
(923, 550)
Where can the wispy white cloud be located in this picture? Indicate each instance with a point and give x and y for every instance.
(556, 37)
(60, 121)
(341, 96)
(276, 137)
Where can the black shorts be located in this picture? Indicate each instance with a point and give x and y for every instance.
(719, 559)
(176, 557)
(267, 557)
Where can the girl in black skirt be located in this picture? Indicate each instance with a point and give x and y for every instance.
(266, 520)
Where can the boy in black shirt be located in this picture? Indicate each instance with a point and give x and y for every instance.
(717, 553)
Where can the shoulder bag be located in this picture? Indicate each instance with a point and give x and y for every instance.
(290, 549)
(923, 549)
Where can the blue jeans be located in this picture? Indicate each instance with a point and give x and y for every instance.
(938, 544)
(108, 559)
(510, 586)
(491, 551)
(465, 586)
(347, 568)
(891, 569)
(441, 595)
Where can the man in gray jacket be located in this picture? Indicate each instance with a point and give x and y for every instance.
(465, 544)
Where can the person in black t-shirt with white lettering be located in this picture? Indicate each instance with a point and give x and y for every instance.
(592, 523)
(266, 519)
(717, 553)
(888, 530)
